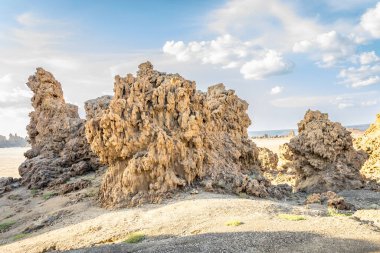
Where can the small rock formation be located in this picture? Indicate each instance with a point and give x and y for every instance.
(160, 134)
(95, 107)
(322, 156)
(330, 198)
(8, 183)
(370, 143)
(75, 186)
(57, 135)
(267, 159)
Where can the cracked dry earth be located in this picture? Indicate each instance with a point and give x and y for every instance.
(187, 223)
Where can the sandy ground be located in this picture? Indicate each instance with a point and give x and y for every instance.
(189, 223)
(271, 143)
(10, 159)
(45, 221)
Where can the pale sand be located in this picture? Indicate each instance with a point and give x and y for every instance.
(271, 143)
(191, 216)
(10, 159)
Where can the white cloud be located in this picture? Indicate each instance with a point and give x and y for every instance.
(273, 23)
(276, 90)
(365, 75)
(368, 58)
(37, 34)
(369, 103)
(6, 79)
(370, 21)
(29, 19)
(328, 49)
(344, 105)
(340, 101)
(271, 63)
(16, 98)
(255, 63)
(224, 50)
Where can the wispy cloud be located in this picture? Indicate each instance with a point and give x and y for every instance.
(341, 101)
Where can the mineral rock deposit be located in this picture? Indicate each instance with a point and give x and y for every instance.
(370, 143)
(322, 156)
(161, 134)
(57, 135)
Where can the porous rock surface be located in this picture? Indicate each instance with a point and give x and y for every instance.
(370, 143)
(57, 135)
(8, 183)
(322, 156)
(267, 159)
(160, 134)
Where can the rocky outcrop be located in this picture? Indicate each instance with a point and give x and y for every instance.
(8, 183)
(322, 156)
(96, 107)
(57, 135)
(267, 159)
(161, 134)
(370, 143)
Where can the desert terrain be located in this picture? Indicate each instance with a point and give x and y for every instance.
(190, 221)
(155, 168)
(10, 159)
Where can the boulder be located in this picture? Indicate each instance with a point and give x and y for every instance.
(322, 156)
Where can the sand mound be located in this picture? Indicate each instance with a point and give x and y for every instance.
(57, 135)
(322, 156)
(370, 143)
(160, 134)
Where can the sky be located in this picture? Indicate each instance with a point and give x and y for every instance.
(282, 57)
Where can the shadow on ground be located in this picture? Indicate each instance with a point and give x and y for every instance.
(240, 242)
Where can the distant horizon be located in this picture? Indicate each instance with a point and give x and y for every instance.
(249, 130)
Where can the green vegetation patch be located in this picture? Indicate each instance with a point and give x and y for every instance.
(34, 192)
(291, 217)
(6, 225)
(332, 212)
(19, 236)
(234, 223)
(135, 237)
(48, 195)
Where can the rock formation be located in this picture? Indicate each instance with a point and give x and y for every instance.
(7, 184)
(370, 143)
(57, 135)
(267, 159)
(160, 134)
(322, 156)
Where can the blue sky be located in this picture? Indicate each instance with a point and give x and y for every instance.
(282, 57)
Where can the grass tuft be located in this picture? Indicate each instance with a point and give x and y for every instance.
(332, 212)
(48, 195)
(135, 237)
(233, 223)
(291, 217)
(19, 236)
(34, 192)
(6, 225)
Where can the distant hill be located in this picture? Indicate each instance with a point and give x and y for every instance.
(13, 141)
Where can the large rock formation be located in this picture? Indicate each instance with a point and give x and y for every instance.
(160, 134)
(322, 156)
(370, 143)
(57, 135)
